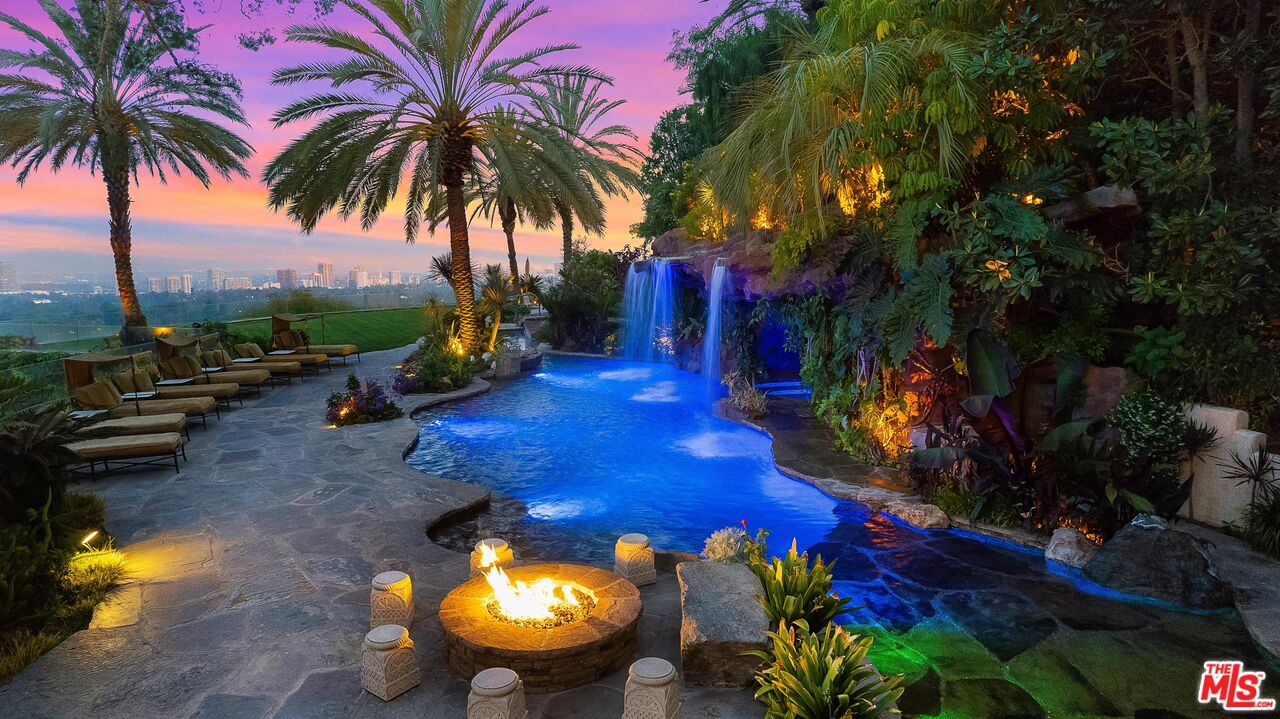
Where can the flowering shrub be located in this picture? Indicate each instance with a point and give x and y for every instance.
(732, 545)
(361, 406)
(432, 367)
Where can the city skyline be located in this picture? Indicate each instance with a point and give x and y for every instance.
(57, 222)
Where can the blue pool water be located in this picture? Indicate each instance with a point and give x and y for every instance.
(592, 449)
(596, 449)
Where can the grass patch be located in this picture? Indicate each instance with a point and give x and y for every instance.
(371, 330)
(88, 579)
(81, 586)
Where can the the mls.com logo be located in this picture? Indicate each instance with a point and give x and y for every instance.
(1237, 690)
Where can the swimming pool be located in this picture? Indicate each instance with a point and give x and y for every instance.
(588, 450)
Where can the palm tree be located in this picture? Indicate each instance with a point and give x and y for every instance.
(442, 270)
(497, 293)
(113, 95)
(573, 107)
(433, 98)
(518, 183)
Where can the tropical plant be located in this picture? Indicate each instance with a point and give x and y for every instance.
(795, 591)
(433, 366)
(118, 89)
(745, 397)
(526, 183)
(1261, 520)
(437, 95)
(580, 304)
(574, 108)
(360, 405)
(822, 675)
(497, 295)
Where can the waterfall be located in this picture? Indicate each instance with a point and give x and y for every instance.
(713, 338)
(648, 308)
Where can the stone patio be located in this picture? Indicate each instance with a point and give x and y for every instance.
(250, 579)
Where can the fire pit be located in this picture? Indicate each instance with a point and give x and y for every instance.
(556, 625)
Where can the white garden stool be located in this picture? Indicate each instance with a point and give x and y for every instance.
(496, 693)
(633, 559)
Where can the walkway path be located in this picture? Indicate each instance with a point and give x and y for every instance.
(250, 579)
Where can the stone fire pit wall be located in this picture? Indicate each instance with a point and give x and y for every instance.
(547, 660)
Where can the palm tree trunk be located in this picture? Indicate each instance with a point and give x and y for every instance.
(493, 336)
(115, 173)
(566, 228)
(507, 213)
(463, 286)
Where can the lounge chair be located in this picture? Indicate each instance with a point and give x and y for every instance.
(104, 395)
(277, 365)
(295, 340)
(222, 358)
(129, 451)
(223, 392)
(146, 424)
(308, 360)
(188, 367)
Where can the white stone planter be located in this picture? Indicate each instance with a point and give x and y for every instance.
(505, 556)
(388, 663)
(633, 559)
(653, 690)
(496, 693)
(391, 600)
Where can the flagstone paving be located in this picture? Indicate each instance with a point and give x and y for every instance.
(249, 592)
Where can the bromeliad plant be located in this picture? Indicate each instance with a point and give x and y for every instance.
(822, 675)
(795, 592)
(361, 405)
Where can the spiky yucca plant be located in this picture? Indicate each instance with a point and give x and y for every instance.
(822, 675)
(796, 592)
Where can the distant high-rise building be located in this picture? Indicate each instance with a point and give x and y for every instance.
(325, 270)
(357, 278)
(173, 284)
(217, 280)
(288, 279)
(238, 283)
(316, 279)
(186, 284)
(393, 277)
(9, 278)
(155, 285)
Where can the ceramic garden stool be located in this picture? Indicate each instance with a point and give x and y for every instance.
(653, 690)
(496, 693)
(391, 600)
(388, 663)
(633, 559)
(500, 549)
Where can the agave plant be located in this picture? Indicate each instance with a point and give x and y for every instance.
(823, 675)
(796, 592)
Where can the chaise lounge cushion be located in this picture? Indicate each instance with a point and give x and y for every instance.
(149, 424)
(104, 395)
(293, 339)
(190, 406)
(275, 365)
(131, 447)
(251, 349)
(140, 382)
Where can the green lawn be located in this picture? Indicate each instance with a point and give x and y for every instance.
(370, 329)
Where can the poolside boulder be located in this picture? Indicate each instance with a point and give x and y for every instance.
(1070, 547)
(720, 619)
(919, 514)
(1151, 559)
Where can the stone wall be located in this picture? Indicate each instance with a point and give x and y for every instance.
(1216, 498)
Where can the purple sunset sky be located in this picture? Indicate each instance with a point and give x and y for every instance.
(57, 223)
